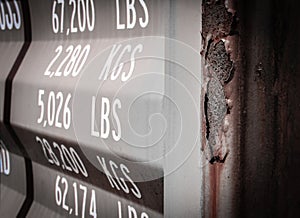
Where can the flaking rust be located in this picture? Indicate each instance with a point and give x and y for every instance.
(218, 22)
(219, 55)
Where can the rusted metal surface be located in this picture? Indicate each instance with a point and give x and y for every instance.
(221, 109)
(258, 141)
(270, 34)
(259, 131)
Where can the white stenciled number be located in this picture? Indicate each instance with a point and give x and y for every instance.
(78, 162)
(75, 198)
(81, 15)
(90, 15)
(62, 190)
(64, 165)
(48, 153)
(73, 59)
(57, 105)
(83, 11)
(60, 99)
(10, 16)
(65, 182)
(58, 194)
(81, 59)
(41, 105)
(58, 22)
(71, 64)
(4, 159)
(73, 3)
(67, 113)
(58, 50)
(51, 108)
(69, 51)
(52, 155)
(67, 158)
(17, 16)
(93, 208)
(84, 189)
(2, 16)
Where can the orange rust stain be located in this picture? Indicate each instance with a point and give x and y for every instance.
(214, 179)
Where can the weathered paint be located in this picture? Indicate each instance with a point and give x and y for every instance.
(260, 176)
(221, 107)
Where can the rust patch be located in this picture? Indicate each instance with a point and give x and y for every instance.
(218, 24)
(219, 36)
(217, 20)
(220, 63)
(216, 111)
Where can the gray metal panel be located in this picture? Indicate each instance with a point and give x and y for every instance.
(11, 41)
(12, 182)
(160, 122)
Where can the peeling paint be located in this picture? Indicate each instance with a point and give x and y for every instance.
(217, 26)
(219, 35)
(217, 20)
